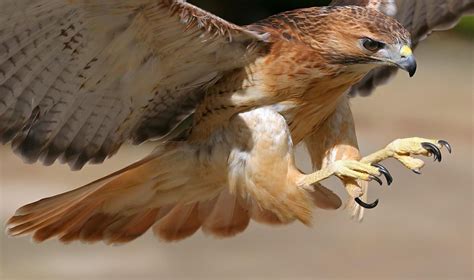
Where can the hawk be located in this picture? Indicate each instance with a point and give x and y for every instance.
(224, 104)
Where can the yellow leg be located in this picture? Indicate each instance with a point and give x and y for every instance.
(344, 169)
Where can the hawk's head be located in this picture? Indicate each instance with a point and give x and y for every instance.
(362, 38)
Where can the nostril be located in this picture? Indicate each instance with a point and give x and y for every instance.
(406, 52)
(405, 55)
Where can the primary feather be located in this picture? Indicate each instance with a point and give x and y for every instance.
(77, 79)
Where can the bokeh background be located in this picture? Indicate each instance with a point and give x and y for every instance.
(422, 229)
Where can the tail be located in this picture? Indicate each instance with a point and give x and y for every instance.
(122, 206)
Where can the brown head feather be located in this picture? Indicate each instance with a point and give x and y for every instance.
(331, 31)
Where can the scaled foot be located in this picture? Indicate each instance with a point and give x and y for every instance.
(404, 149)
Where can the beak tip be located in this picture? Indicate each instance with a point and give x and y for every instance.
(412, 71)
(409, 64)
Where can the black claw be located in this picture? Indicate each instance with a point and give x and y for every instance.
(416, 171)
(377, 179)
(385, 173)
(366, 205)
(446, 145)
(432, 149)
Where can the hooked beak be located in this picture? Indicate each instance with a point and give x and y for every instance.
(407, 61)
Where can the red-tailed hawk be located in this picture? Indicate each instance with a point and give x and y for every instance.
(224, 104)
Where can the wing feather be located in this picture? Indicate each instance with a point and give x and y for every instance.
(79, 78)
(385, 6)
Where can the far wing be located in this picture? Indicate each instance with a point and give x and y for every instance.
(387, 7)
(79, 77)
(420, 17)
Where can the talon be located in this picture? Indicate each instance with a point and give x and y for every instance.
(432, 149)
(445, 144)
(366, 205)
(385, 172)
(417, 171)
(377, 179)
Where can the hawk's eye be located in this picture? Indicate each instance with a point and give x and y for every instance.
(372, 45)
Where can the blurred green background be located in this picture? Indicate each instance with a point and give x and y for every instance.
(466, 26)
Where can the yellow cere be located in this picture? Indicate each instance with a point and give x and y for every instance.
(406, 51)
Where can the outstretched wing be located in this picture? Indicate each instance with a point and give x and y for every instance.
(420, 17)
(79, 77)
